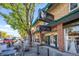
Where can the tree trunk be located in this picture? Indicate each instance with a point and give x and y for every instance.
(30, 38)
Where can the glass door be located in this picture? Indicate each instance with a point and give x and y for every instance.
(48, 40)
(77, 44)
(55, 40)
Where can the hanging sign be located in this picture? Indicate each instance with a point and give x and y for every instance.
(44, 28)
(45, 16)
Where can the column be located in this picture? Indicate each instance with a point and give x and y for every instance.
(60, 32)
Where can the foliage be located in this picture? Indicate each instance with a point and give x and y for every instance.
(4, 34)
(21, 16)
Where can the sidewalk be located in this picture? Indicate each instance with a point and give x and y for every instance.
(43, 51)
(37, 50)
(55, 52)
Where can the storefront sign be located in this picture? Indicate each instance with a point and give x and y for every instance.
(45, 16)
(44, 28)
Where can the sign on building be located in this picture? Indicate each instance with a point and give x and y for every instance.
(45, 16)
(44, 28)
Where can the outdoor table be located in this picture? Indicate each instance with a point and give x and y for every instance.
(2, 47)
(10, 48)
(8, 52)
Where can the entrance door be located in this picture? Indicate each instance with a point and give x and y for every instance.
(48, 40)
(55, 40)
(77, 45)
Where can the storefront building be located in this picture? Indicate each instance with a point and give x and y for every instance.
(64, 33)
(57, 32)
(65, 26)
(39, 29)
(36, 34)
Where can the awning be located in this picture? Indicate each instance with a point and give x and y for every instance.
(71, 16)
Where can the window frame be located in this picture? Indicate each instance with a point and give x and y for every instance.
(74, 8)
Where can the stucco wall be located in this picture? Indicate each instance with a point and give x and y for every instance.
(59, 10)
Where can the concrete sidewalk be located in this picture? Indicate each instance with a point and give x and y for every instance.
(43, 51)
(55, 52)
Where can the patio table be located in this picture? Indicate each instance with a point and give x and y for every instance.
(8, 52)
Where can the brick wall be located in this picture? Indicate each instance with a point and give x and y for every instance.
(60, 32)
(59, 11)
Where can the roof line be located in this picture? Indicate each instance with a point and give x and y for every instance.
(60, 19)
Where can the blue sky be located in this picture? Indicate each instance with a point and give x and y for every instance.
(38, 6)
(7, 28)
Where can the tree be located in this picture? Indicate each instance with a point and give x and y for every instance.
(4, 34)
(20, 18)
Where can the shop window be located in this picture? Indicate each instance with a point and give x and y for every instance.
(76, 28)
(73, 6)
(37, 28)
(55, 40)
(45, 23)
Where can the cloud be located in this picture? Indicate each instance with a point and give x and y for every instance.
(9, 30)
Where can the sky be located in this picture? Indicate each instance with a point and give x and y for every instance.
(7, 28)
(37, 7)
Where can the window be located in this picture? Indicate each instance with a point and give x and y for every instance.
(45, 23)
(73, 6)
(37, 28)
(43, 14)
(76, 28)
